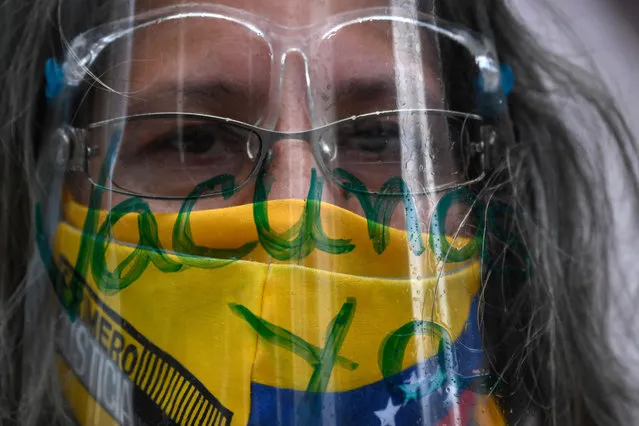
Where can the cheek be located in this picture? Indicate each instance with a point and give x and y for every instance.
(459, 220)
(420, 210)
(424, 207)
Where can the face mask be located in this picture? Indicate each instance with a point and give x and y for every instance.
(161, 336)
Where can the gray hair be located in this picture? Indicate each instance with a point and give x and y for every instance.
(545, 335)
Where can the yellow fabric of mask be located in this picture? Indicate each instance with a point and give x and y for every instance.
(198, 345)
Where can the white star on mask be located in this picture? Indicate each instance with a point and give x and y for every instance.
(387, 415)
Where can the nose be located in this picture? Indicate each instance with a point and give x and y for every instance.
(291, 160)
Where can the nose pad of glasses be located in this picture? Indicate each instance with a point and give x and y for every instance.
(268, 158)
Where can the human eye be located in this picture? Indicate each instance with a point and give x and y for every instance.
(170, 156)
(194, 143)
(376, 138)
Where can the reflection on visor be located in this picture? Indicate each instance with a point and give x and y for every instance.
(270, 225)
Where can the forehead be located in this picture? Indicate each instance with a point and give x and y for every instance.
(216, 64)
(204, 38)
(289, 12)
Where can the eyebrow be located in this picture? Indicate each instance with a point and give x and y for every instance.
(204, 93)
(376, 88)
(364, 88)
(213, 93)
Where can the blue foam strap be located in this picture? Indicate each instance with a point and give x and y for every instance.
(54, 76)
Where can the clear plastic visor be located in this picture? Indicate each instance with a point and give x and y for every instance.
(264, 214)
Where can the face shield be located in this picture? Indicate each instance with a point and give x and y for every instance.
(262, 213)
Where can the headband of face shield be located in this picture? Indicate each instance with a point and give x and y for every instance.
(258, 223)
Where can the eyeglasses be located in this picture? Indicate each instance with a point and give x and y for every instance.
(374, 94)
(165, 155)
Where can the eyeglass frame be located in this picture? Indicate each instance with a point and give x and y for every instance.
(75, 141)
